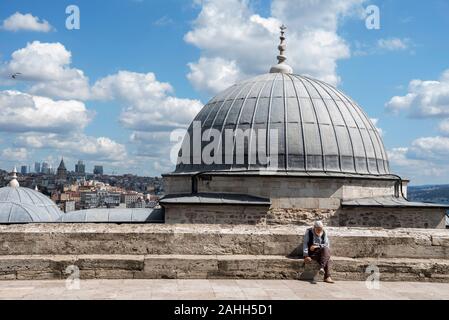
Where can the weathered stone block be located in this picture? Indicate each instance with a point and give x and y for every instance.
(114, 274)
(38, 275)
(134, 262)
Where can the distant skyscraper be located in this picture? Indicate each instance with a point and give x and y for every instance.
(98, 170)
(62, 171)
(80, 168)
(23, 169)
(37, 167)
(45, 168)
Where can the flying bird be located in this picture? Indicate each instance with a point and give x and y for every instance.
(14, 75)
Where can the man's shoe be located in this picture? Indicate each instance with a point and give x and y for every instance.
(321, 272)
(329, 280)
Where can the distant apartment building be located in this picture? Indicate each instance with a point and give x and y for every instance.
(23, 170)
(99, 198)
(130, 197)
(89, 200)
(112, 199)
(68, 206)
(108, 199)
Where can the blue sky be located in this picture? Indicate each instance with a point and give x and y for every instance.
(178, 54)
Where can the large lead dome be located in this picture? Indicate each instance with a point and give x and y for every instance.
(320, 129)
(309, 126)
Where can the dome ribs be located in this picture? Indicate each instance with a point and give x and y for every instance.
(244, 104)
(320, 130)
(346, 127)
(267, 140)
(331, 121)
(358, 161)
(367, 123)
(301, 123)
(224, 124)
(253, 122)
(323, 160)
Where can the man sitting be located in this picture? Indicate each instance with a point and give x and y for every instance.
(316, 247)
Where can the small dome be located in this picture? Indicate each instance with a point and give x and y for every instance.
(21, 205)
(320, 129)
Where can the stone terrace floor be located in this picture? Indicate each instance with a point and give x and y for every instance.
(219, 289)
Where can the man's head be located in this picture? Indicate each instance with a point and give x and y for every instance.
(318, 227)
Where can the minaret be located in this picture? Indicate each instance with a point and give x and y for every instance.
(14, 183)
(282, 67)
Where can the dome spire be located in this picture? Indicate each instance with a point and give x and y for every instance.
(14, 183)
(282, 67)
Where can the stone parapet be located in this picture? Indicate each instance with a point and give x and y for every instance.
(39, 267)
(204, 239)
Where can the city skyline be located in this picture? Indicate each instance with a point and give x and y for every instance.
(118, 104)
(32, 167)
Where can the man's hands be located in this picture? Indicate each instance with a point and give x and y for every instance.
(312, 248)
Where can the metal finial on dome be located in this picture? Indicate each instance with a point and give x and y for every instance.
(282, 45)
(282, 67)
(14, 183)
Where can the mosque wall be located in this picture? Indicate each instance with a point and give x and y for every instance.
(216, 214)
(287, 192)
(427, 218)
(388, 218)
(298, 201)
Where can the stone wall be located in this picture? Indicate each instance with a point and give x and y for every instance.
(427, 218)
(177, 184)
(301, 216)
(214, 214)
(203, 239)
(287, 192)
(390, 218)
(299, 201)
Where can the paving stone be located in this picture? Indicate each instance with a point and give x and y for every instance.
(222, 289)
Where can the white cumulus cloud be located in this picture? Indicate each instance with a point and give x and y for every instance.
(150, 104)
(234, 38)
(22, 112)
(423, 161)
(213, 74)
(78, 145)
(25, 22)
(46, 66)
(425, 98)
(435, 148)
(53, 106)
